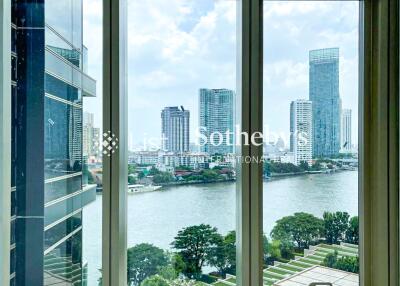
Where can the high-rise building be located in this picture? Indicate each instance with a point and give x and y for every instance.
(48, 193)
(175, 129)
(216, 112)
(90, 136)
(324, 94)
(301, 131)
(346, 130)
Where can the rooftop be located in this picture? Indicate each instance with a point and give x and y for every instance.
(320, 274)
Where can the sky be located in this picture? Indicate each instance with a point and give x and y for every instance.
(176, 47)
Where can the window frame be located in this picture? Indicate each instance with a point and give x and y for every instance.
(378, 142)
(5, 140)
(249, 185)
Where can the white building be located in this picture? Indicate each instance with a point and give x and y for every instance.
(145, 158)
(192, 160)
(175, 129)
(301, 131)
(346, 131)
(91, 136)
(287, 158)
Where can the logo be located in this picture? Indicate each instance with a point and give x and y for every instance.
(110, 143)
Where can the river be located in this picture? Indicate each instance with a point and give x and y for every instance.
(156, 217)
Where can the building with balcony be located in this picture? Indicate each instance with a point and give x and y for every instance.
(175, 129)
(301, 131)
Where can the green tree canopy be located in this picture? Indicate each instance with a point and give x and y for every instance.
(271, 249)
(301, 228)
(352, 231)
(131, 169)
(155, 280)
(223, 256)
(144, 260)
(194, 245)
(163, 177)
(345, 263)
(335, 226)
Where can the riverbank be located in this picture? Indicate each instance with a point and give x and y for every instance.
(195, 182)
(285, 175)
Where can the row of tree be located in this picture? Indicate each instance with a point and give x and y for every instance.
(345, 263)
(304, 229)
(201, 245)
(285, 168)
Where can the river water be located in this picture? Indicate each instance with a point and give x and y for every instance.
(156, 217)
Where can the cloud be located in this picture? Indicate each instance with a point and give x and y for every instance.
(176, 47)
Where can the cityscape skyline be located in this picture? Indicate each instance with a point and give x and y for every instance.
(162, 74)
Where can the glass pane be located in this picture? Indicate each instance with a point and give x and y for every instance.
(92, 66)
(53, 185)
(310, 142)
(181, 196)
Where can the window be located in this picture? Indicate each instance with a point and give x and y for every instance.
(311, 152)
(181, 126)
(96, 187)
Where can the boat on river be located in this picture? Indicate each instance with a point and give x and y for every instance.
(134, 189)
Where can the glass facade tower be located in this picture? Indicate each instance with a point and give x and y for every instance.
(216, 111)
(48, 192)
(324, 94)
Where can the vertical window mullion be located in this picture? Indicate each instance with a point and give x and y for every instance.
(115, 123)
(5, 139)
(249, 114)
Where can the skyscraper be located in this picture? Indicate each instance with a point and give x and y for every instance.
(48, 193)
(346, 130)
(217, 116)
(301, 131)
(175, 129)
(324, 94)
(90, 136)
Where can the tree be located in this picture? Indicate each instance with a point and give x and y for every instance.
(195, 244)
(223, 256)
(345, 263)
(209, 175)
(272, 250)
(230, 244)
(141, 175)
(352, 231)
(330, 259)
(301, 228)
(287, 249)
(154, 171)
(131, 180)
(304, 166)
(155, 280)
(335, 226)
(348, 263)
(144, 260)
(163, 177)
(131, 169)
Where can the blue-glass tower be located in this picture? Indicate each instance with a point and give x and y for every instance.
(324, 94)
(48, 191)
(216, 115)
